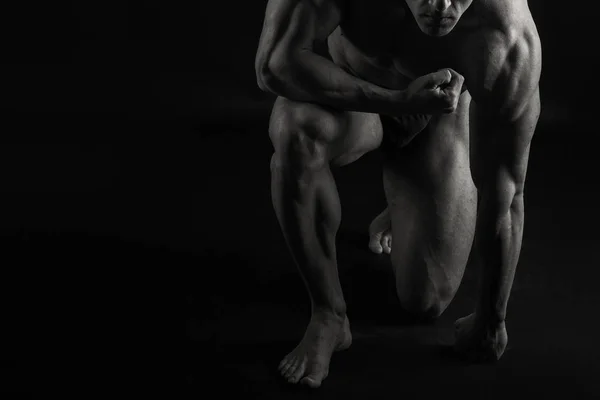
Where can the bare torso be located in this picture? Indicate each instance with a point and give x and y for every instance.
(379, 41)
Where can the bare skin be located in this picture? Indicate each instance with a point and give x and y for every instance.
(380, 233)
(395, 79)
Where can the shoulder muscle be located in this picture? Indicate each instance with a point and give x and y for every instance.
(297, 24)
(509, 69)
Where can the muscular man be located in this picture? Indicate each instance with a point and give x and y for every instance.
(451, 90)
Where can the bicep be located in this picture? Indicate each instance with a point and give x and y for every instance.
(293, 25)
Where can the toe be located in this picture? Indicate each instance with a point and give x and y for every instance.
(282, 364)
(387, 244)
(287, 366)
(315, 377)
(298, 373)
(375, 244)
(291, 369)
(285, 361)
(311, 381)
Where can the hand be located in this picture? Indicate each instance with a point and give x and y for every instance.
(435, 93)
(478, 340)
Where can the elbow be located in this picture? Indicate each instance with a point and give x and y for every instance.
(265, 78)
(270, 75)
(262, 73)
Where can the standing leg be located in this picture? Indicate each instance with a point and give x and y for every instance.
(305, 138)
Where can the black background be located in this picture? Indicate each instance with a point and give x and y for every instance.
(135, 193)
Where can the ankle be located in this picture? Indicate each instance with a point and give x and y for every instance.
(331, 313)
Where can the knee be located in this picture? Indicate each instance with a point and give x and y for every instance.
(423, 304)
(300, 134)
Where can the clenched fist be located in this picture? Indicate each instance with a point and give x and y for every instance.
(435, 93)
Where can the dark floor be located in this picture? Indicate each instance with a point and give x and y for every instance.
(158, 263)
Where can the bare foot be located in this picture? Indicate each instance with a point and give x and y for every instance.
(380, 234)
(308, 363)
(480, 340)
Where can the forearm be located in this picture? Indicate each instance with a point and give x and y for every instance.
(309, 77)
(501, 210)
(498, 249)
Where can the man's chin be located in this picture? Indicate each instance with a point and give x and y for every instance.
(436, 30)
